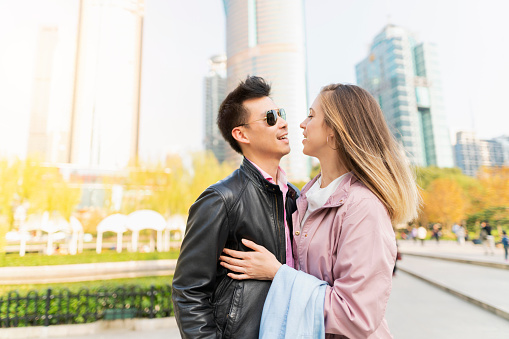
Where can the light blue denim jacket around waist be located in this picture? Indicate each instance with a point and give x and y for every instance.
(294, 306)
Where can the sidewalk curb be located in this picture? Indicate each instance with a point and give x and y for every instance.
(498, 312)
(85, 272)
(98, 327)
(463, 261)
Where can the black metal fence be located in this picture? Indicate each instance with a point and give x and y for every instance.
(65, 307)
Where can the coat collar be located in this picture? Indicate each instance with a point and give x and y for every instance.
(257, 178)
(338, 197)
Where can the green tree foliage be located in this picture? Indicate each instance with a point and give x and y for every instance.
(496, 216)
(171, 188)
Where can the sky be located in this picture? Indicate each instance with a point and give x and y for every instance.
(180, 37)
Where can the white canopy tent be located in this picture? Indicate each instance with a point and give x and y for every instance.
(52, 225)
(34, 222)
(145, 219)
(76, 243)
(113, 223)
(55, 224)
(176, 223)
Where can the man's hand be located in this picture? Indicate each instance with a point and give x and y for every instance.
(259, 265)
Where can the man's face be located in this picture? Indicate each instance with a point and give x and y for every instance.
(264, 140)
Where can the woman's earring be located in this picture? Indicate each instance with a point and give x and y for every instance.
(335, 149)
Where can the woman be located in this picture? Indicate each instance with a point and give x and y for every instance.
(343, 224)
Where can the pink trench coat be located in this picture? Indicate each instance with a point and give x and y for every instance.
(350, 244)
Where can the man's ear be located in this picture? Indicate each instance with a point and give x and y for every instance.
(239, 134)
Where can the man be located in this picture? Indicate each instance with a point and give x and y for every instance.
(254, 203)
(488, 241)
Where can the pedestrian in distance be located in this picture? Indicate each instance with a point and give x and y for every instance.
(343, 232)
(255, 202)
(460, 234)
(505, 243)
(421, 234)
(414, 233)
(436, 232)
(488, 241)
(454, 230)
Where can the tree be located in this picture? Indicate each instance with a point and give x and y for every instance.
(8, 188)
(444, 202)
(172, 188)
(495, 186)
(496, 216)
(207, 171)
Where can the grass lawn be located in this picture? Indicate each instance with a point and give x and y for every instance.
(74, 287)
(90, 256)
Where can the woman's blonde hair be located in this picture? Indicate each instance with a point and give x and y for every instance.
(368, 149)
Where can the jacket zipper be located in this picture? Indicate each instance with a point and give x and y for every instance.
(282, 244)
(277, 227)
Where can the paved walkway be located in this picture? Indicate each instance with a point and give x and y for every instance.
(418, 310)
(451, 249)
(489, 287)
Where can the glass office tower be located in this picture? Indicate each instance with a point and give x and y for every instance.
(403, 75)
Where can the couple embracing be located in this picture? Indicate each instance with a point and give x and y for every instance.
(261, 260)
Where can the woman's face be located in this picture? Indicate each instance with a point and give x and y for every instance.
(315, 131)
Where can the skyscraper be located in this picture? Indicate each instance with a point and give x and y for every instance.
(214, 94)
(105, 114)
(472, 153)
(403, 75)
(266, 38)
(504, 142)
(39, 141)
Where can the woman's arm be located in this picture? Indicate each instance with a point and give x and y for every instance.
(260, 264)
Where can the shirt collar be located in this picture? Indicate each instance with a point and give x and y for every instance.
(281, 175)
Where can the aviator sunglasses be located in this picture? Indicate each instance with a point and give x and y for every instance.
(271, 117)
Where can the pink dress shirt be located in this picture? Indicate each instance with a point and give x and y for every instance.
(349, 242)
(283, 186)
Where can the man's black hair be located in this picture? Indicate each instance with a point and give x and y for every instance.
(232, 112)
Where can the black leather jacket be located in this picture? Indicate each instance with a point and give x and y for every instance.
(207, 303)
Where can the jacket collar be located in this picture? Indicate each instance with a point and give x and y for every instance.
(257, 178)
(338, 197)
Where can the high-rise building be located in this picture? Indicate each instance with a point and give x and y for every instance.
(403, 76)
(39, 138)
(472, 153)
(214, 94)
(504, 142)
(105, 114)
(266, 38)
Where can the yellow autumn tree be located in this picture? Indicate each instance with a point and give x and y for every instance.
(54, 194)
(206, 171)
(8, 187)
(156, 187)
(169, 194)
(171, 188)
(444, 202)
(495, 186)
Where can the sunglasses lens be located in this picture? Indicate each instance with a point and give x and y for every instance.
(271, 117)
(282, 113)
